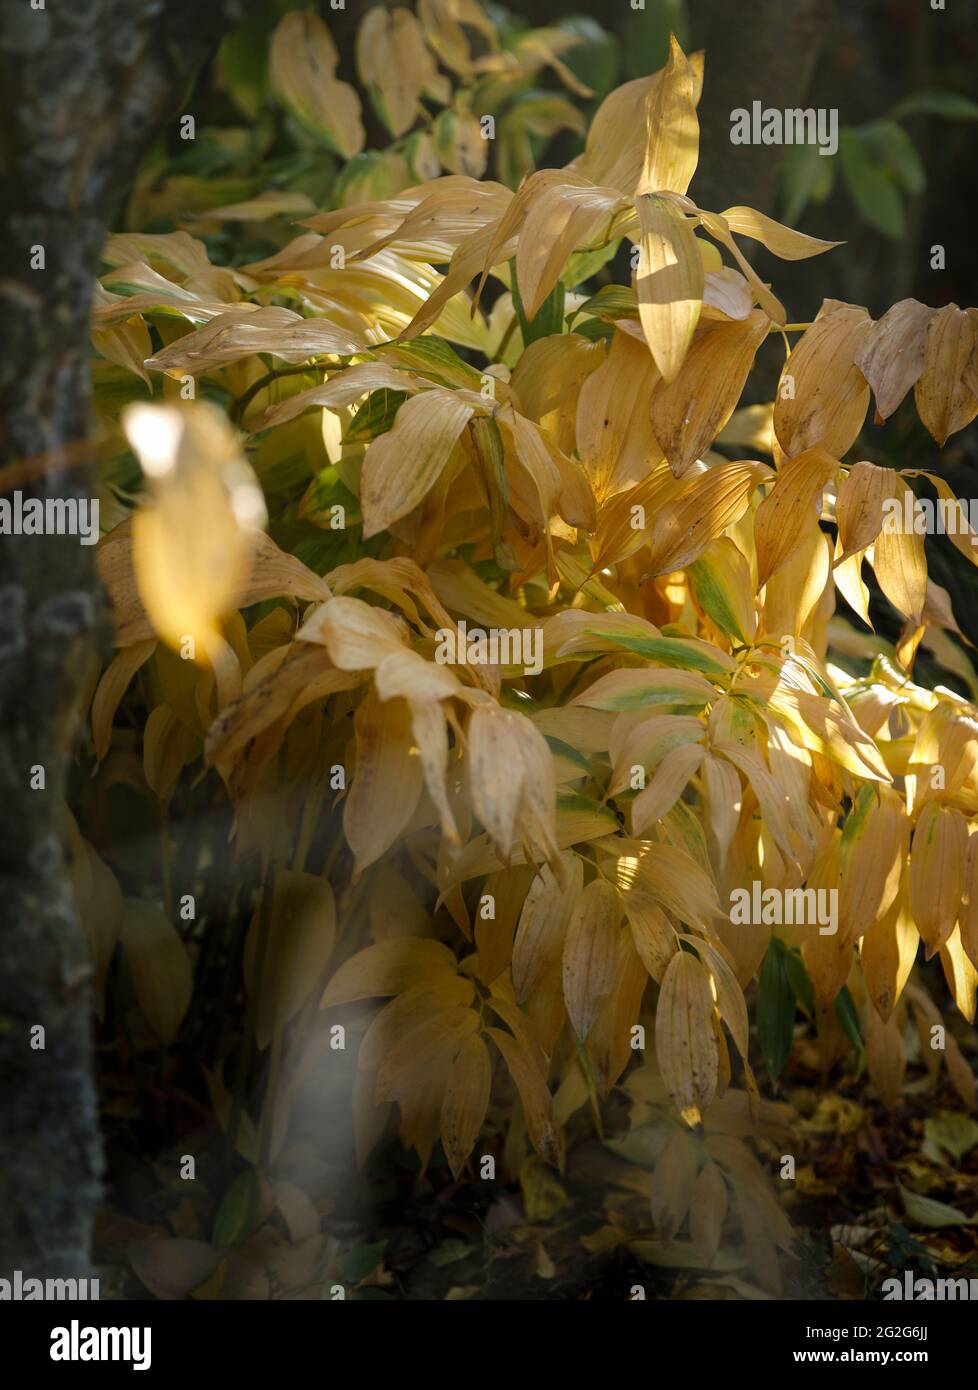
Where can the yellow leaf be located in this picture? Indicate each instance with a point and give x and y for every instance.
(822, 396)
(591, 953)
(543, 1195)
(388, 968)
(193, 546)
(688, 414)
(387, 782)
(945, 402)
(669, 282)
(614, 433)
(721, 584)
(685, 1044)
(937, 862)
(859, 506)
(466, 1102)
(394, 63)
(891, 357)
(562, 217)
(783, 241)
(873, 852)
(302, 68)
(886, 1058)
(961, 975)
(672, 131)
(167, 746)
(900, 563)
(401, 467)
(111, 688)
(790, 508)
(531, 1082)
(407, 1067)
(543, 924)
(511, 771)
(666, 786)
(700, 511)
(653, 934)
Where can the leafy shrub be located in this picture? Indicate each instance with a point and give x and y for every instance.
(527, 851)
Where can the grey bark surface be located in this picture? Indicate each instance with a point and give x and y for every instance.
(85, 85)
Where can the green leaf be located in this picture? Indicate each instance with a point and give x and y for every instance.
(236, 1214)
(936, 101)
(675, 651)
(848, 1017)
(436, 359)
(359, 1261)
(581, 265)
(645, 35)
(806, 176)
(898, 151)
(375, 416)
(595, 60)
(775, 1010)
(610, 302)
(800, 982)
(872, 185)
(489, 458)
(547, 320)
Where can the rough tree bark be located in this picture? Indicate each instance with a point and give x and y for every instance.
(764, 52)
(84, 87)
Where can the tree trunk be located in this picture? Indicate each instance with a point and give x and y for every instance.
(83, 89)
(764, 52)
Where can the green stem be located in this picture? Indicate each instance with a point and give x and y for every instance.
(244, 400)
(251, 1019)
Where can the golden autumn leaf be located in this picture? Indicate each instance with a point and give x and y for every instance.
(900, 563)
(822, 396)
(699, 512)
(562, 217)
(891, 357)
(388, 968)
(395, 65)
(193, 543)
(783, 241)
(543, 923)
(873, 853)
(466, 1101)
(403, 465)
(512, 774)
(530, 1079)
(666, 785)
(886, 1058)
(937, 863)
(669, 282)
(687, 414)
(968, 917)
(790, 508)
(302, 67)
(945, 401)
(590, 953)
(859, 506)
(387, 781)
(671, 125)
(685, 1045)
